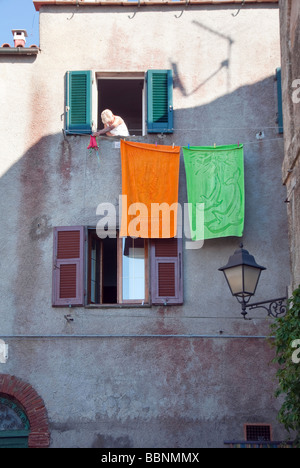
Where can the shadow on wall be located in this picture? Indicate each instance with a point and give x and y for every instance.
(224, 64)
(46, 187)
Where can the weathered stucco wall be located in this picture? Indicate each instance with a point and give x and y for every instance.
(135, 392)
(290, 44)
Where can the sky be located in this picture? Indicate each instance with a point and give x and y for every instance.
(18, 14)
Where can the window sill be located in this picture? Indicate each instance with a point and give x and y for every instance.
(103, 137)
(118, 306)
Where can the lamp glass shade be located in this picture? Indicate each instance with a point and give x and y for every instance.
(251, 277)
(234, 277)
(242, 280)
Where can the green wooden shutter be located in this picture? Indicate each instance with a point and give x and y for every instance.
(160, 101)
(79, 102)
(279, 100)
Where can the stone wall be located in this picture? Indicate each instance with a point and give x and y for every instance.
(290, 46)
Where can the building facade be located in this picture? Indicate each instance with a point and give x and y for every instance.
(290, 39)
(104, 369)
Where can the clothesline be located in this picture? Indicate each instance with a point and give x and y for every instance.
(258, 141)
(261, 141)
(241, 142)
(257, 127)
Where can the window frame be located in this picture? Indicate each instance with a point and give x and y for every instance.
(120, 275)
(120, 301)
(90, 237)
(120, 76)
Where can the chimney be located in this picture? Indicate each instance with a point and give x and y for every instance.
(19, 37)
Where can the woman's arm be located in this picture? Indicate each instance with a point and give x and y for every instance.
(107, 128)
(104, 130)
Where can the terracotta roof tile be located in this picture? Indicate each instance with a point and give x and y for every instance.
(39, 3)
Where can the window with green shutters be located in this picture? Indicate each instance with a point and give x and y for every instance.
(79, 99)
(160, 101)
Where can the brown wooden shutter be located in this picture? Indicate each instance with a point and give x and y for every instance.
(166, 271)
(68, 266)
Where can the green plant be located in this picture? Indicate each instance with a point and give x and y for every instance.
(286, 331)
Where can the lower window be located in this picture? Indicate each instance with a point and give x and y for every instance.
(117, 270)
(88, 270)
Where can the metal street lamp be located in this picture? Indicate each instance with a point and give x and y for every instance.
(242, 274)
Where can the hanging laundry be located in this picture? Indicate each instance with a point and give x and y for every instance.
(150, 175)
(215, 184)
(93, 146)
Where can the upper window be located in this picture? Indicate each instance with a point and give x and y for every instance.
(144, 101)
(89, 270)
(124, 95)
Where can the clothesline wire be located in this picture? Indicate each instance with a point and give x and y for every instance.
(257, 142)
(260, 141)
(257, 127)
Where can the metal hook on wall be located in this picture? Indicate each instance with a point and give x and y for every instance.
(235, 14)
(139, 4)
(186, 4)
(77, 4)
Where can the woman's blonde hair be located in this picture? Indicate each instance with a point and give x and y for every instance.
(107, 116)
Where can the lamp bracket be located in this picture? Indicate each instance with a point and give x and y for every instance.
(274, 307)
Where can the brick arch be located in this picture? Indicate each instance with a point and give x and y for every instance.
(24, 393)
